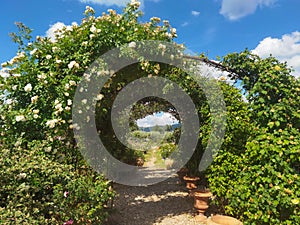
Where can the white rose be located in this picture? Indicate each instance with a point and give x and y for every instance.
(22, 175)
(34, 99)
(93, 29)
(28, 88)
(20, 118)
(132, 44)
(48, 57)
(99, 97)
(73, 64)
(72, 82)
(33, 51)
(51, 123)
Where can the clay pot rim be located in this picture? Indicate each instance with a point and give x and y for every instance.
(230, 219)
(202, 193)
(188, 178)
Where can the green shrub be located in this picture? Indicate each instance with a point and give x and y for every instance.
(260, 183)
(167, 149)
(33, 186)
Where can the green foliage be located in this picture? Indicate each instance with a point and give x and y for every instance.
(39, 156)
(33, 186)
(260, 182)
(167, 149)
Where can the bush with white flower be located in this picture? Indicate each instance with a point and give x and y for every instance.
(37, 92)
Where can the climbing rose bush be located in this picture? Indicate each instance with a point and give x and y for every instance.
(40, 161)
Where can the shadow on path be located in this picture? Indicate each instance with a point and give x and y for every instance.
(152, 204)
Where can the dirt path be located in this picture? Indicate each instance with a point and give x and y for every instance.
(165, 203)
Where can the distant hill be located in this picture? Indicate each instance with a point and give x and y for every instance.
(162, 128)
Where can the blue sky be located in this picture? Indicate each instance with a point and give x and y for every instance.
(215, 27)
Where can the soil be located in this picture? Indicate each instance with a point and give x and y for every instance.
(164, 203)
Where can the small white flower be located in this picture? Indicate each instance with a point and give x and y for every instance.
(14, 87)
(135, 3)
(20, 118)
(99, 97)
(85, 43)
(22, 175)
(9, 101)
(93, 29)
(72, 82)
(173, 30)
(56, 102)
(67, 108)
(132, 44)
(161, 46)
(48, 57)
(73, 64)
(35, 116)
(168, 35)
(92, 36)
(36, 111)
(58, 106)
(28, 87)
(69, 102)
(66, 94)
(34, 99)
(42, 76)
(58, 61)
(54, 49)
(89, 9)
(48, 149)
(51, 123)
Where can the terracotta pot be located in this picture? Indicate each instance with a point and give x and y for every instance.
(201, 198)
(191, 182)
(223, 220)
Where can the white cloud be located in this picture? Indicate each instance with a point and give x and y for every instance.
(185, 24)
(158, 119)
(107, 2)
(195, 13)
(286, 48)
(119, 3)
(51, 31)
(235, 9)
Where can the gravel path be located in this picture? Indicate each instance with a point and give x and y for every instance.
(165, 203)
